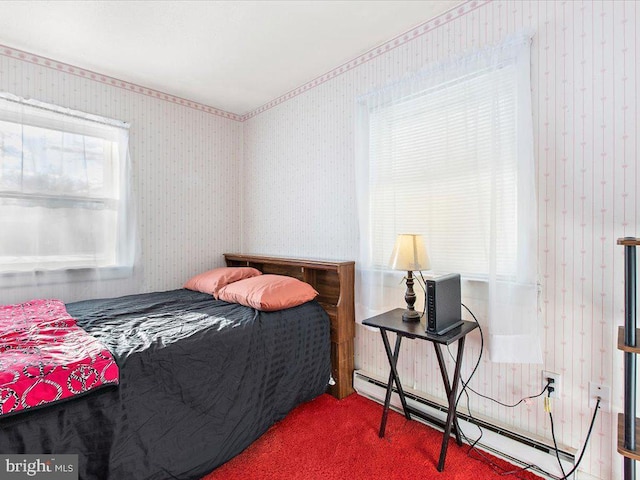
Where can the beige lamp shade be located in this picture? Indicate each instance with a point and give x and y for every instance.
(409, 253)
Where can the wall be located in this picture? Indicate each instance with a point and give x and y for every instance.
(185, 161)
(299, 199)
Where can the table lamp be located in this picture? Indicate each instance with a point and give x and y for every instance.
(410, 254)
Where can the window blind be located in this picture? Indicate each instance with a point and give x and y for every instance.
(441, 161)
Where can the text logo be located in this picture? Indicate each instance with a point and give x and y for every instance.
(39, 467)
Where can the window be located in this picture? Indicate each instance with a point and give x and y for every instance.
(63, 188)
(448, 153)
(435, 170)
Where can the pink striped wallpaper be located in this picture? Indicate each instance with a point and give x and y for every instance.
(298, 162)
(107, 80)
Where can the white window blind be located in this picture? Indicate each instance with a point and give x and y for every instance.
(63, 188)
(437, 166)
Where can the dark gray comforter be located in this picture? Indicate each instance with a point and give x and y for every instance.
(200, 379)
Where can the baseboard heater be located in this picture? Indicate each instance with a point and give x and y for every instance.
(512, 446)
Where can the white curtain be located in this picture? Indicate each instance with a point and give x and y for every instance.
(66, 209)
(448, 153)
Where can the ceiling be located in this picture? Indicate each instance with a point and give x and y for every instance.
(232, 55)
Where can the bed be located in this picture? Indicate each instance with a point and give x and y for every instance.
(200, 379)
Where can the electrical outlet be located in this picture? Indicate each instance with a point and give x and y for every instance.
(604, 392)
(556, 382)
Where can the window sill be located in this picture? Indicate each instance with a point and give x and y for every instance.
(67, 275)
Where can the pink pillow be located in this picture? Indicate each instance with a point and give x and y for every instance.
(268, 292)
(213, 280)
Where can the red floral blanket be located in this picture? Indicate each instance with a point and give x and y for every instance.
(45, 357)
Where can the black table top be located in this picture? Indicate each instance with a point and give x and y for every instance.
(392, 321)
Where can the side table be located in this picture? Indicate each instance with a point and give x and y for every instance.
(392, 322)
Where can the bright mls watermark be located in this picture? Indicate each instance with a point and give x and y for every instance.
(39, 467)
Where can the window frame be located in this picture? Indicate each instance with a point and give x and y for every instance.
(114, 136)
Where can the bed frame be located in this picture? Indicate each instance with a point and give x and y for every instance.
(334, 282)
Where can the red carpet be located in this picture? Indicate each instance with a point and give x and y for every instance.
(333, 439)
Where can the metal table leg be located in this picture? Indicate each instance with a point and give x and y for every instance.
(451, 414)
(393, 377)
(447, 388)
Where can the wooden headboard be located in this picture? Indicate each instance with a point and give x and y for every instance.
(334, 282)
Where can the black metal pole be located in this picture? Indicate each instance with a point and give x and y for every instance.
(630, 359)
